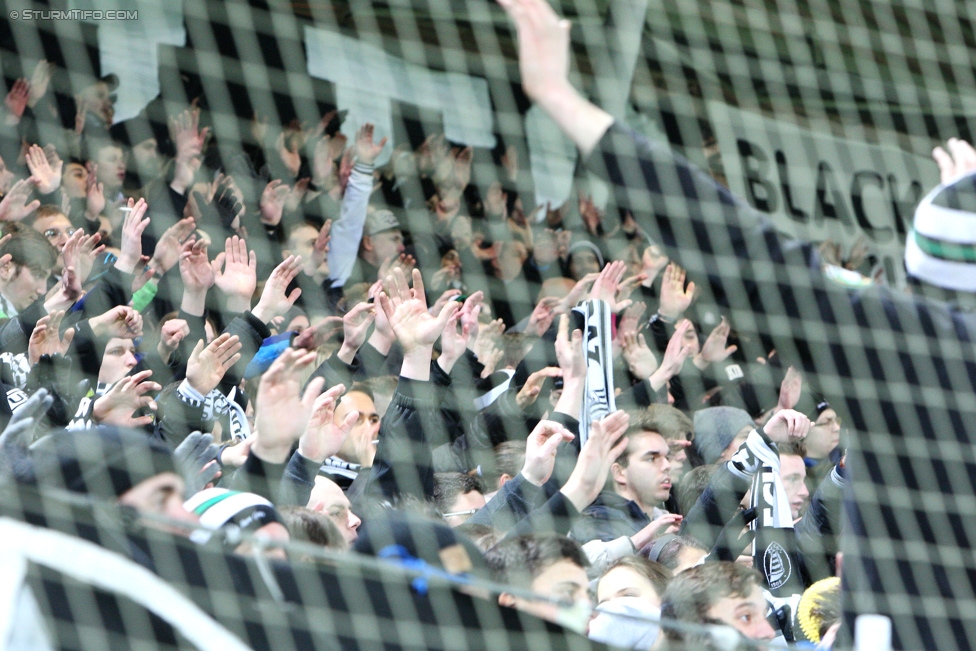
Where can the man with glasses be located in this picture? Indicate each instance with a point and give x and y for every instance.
(55, 226)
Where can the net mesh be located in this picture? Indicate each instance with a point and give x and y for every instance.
(818, 116)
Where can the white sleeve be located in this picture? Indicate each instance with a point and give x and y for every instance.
(602, 554)
(348, 230)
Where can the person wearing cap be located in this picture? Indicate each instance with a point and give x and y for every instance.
(235, 512)
(113, 463)
(823, 450)
(382, 242)
(719, 431)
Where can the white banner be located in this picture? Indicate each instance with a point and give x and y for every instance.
(816, 186)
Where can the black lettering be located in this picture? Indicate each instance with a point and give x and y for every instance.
(755, 164)
(903, 208)
(832, 206)
(862, 178)
(792, 211)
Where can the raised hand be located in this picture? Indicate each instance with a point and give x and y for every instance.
(320, 254)
(628, 285)
(366, 149)
(606, 285)
(674, 358)
(454, 341)
(640, 359)
(236, 274)
(272, 202)
(542, 316)
(171, 334)
(195, 456)
(715, 350)
(605, 443)
(66, 293)
(208, 365)
(576, 294)
(80, 252)
(46, 338)
(469, 316)
(127, 396)
(959, 160)
(630, 320)
(569, 351)
(323, 437)
(790, 389)
(94, 193)
(187, 135)
(592, 216)
(46, 177)
(189, 140)
(382, 338)
(14, 206)
(652, 262)
(540, 451)
(488, 338)
(533, 385)
(318, 334)
(415, 328)
(132, 228)
(16, 101)
(39, 82)
(787, 425)
(170, 245)
(404, 262)
(355, 326)
(447, 295)
(283, 410)
(195, 269)
(675, 297)
(14, 438)
(274, 300)
(121, 321)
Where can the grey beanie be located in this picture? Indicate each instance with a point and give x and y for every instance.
(715, 428)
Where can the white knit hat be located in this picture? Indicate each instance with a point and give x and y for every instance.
(941, 247)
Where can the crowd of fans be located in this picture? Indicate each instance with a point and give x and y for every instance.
(302, 344)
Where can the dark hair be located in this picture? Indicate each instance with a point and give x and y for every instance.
(692, 485)
(448, 486)
(693, 592)
(509, 459)
(310, 526)
(482, 535)
(518, 561)
(28, 248)
(669, 553)
(361, 387)
(658, 575)
(641, 422)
